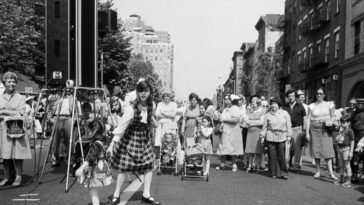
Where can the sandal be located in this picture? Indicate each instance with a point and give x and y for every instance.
(150, 200)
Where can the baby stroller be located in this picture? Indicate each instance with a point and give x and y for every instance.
(168, 157)
(193, 166)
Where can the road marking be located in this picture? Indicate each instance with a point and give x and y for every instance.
(129, 191)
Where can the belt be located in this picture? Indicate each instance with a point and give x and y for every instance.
(64, 115)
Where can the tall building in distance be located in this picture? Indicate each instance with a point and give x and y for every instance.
(154, 46)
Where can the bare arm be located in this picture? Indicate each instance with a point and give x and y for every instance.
(308, 118)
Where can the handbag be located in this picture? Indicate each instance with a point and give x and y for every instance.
(15, 127)
(329, 123)
(98, 175)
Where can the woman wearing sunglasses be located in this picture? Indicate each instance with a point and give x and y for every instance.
(319, 118)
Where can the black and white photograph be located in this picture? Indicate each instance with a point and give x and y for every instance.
(182, 102)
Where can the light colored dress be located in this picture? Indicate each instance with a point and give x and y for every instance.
(191, 115)
(231, 139)
(205, 139)
(11, 148)
(165, 124)
(321, 143)
(255, 119)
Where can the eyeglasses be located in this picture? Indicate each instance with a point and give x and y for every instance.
(352, 103)
(319, 93)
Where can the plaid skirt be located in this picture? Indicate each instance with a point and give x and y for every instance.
(134, 152)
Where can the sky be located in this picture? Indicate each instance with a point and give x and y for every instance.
(205, 34)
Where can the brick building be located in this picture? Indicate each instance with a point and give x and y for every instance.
(314, 45)
(353, 67)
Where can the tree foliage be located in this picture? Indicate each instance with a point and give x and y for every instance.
(116, 49)
(144, 69)
(22, 28)
(269, 72)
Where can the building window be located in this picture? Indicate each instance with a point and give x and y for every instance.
(337, 44)
(357, 38)
(312, 21)
(318, 48)
(327, 49)
(337, 6)
(311, 55)
(328, 10)
(57, 48)
(304, 56)
(57, 9)
(299, 58)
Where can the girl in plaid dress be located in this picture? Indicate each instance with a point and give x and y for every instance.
(131, 148)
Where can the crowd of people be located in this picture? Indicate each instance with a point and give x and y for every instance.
(140, 134)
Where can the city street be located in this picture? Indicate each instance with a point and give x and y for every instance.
(224, 187)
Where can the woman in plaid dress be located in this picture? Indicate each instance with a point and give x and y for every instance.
(131, 149)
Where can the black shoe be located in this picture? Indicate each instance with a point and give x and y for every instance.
(284, 177)
(115, 200)
(150, 200)
(354, 179)
(55, 164)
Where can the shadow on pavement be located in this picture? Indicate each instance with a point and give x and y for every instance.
(137, 196)
(361, 190)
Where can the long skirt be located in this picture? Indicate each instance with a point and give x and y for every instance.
(134, 152)
(321, 143)
(231, 140)
(253, 145)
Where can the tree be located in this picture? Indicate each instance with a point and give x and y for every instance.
(22, 28)
(269, 72)
(116, 49)
(144, 69)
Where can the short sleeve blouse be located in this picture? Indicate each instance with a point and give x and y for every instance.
(320, 111)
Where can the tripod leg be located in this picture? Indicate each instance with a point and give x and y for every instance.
(80, 138)
(71, 138)
(35, 154)
(43, 135)
(51, 142)
(48, 151)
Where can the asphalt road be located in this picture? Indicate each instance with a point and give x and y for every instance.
(223, 187)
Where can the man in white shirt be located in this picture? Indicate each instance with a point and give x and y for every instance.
(63, 125)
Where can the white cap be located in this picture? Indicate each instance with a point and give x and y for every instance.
(234, 97)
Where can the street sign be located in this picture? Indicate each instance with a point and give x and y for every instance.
(57, 75)
(28, 89)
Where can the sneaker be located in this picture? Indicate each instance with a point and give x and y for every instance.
(332, 175)
(4, 182)
(346, 184)
(17, 182)
(317, 175)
